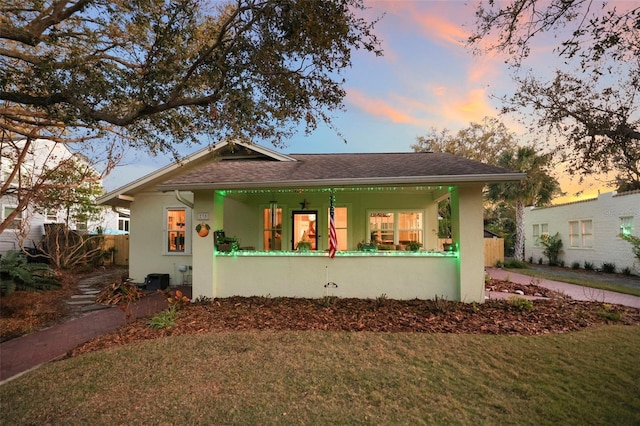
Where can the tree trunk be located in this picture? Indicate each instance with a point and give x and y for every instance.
(519, 246)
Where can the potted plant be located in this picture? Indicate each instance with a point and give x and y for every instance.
(371, 246)
(414, 245)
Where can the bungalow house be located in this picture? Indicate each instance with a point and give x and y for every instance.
(589, 229)
(274, 211)
(28, 228)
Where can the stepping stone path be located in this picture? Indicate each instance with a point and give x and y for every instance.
(88, 289)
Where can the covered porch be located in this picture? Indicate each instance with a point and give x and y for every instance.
(257, 269)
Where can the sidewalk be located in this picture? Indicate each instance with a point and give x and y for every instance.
(24, 353)
(576, 292)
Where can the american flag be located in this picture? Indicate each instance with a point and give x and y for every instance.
(333, 238)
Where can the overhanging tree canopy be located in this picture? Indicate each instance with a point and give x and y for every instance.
(155, 75)
(164, 73)
(592, 103)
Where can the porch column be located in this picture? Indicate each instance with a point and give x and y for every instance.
(204, 205)
(467, 232)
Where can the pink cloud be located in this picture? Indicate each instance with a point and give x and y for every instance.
(379, 108)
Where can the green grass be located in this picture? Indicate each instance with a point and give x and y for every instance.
(587, 377)
(585, 282)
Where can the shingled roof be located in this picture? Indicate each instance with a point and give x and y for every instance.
(322, 169)
(238, 165)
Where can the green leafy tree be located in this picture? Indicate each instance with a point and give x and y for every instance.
(46, 177)
(500, 218)
(158, 76)
(482, 142)
(591, 103)
(635, 244)
(552, 248)
(73, 187)
(537, 189)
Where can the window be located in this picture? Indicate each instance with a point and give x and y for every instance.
(123, 224)
(176, 230)
(539, 229)
(51, 216)
(81, 225)
(304, 232)
(272, 228)
(626, 225)
(396, 227)
(16, 223)
(340, 219)
(581, 234)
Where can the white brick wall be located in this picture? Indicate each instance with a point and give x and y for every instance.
(606, 212)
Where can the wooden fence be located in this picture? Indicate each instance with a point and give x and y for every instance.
(493, 250)
(120, 245)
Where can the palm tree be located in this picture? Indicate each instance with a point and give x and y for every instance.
(537, 189)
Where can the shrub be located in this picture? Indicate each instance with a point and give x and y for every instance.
(575, 265)
(588, 266)
(539, 261)
(626, 271)
(515, 264)
(552, 247)
(609, 268)
(610, 313)
(165, 319)
(530, 259)
(17, 274)
(635, 243)
(521, 304)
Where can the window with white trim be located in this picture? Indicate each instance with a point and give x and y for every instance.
(176, 236)
(539, 229)
(123, 224)
(626, 225)
(389, 227)
(581, 233)
(16, 223)
(51, 216)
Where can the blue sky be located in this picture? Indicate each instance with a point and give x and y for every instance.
(426, 78)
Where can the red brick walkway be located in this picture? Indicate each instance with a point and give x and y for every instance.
(27, 352)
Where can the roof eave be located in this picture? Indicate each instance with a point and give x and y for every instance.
(385, 181)
(113, 198)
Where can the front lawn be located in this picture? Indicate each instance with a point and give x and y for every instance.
(336, 377)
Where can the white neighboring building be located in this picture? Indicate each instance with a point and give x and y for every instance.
(590, 230)
(44, 152)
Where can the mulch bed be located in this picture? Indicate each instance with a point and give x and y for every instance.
(558, 315)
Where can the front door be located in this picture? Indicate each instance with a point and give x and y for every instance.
(304, 232)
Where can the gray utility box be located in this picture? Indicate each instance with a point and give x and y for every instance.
(156, 281)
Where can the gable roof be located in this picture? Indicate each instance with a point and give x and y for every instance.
(339, 169)
(258, 167)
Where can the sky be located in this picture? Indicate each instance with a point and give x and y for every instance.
(427, 78)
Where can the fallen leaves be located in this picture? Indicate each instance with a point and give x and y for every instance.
(357, 315)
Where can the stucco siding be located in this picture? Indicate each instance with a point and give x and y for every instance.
(147, 251)
(361, 277)
(605, 212)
